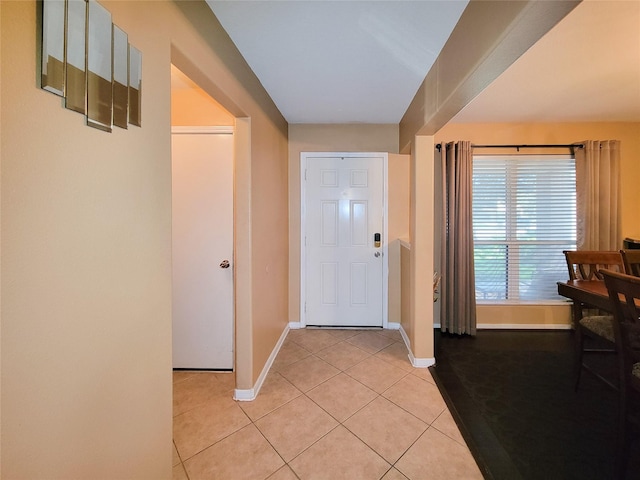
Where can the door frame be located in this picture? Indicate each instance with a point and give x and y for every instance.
(219, 130)
(304, 156)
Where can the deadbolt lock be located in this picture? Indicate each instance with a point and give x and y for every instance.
(376, 240)
(224, 264)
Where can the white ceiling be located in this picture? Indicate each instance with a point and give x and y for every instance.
(363, 61)
(340, 61)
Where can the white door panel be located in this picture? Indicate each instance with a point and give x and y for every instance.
(202, 217)
(343, 209)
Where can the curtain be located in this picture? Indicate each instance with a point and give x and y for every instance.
(458, 296)
(597, 197)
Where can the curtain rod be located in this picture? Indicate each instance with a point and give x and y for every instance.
(518, 147)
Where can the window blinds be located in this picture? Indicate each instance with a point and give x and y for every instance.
(524, 216)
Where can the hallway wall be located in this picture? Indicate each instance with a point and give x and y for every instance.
(86, 249)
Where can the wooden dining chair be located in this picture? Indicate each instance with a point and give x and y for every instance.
(624, 294)
(631, 261)
(589, 321)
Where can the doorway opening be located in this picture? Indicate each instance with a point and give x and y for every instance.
(203, 293)
(344, 232)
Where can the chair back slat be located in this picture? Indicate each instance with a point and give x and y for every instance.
(624, 294)
(631, 261)
(585, 264)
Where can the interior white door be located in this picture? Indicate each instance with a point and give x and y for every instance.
(344, 223)
(202, 216)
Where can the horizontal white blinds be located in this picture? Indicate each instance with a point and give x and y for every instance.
(524, 216)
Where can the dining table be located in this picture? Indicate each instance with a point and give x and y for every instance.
(589, 292)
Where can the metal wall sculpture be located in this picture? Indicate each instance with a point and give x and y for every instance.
(88, 60)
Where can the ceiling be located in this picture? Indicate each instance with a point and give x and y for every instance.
(587, 68)
(363, 61)
(340, 61)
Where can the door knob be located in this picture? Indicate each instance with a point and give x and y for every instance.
(377, 254)
(224, 264)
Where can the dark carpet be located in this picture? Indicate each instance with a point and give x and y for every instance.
(512, 395)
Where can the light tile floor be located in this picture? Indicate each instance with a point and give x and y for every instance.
(337, 404)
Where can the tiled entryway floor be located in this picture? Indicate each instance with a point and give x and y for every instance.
(337, 404)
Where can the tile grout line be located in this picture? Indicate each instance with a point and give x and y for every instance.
(378, 396)
(339, 423)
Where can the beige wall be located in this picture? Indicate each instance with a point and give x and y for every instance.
(559, 133)
(270, 247)
(86, 326)
(398, 224)
(422, 237)
(194, 107)
(1, 239)
(331, 138)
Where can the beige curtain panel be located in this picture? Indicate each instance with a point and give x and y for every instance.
(597, 195)
(458, 291)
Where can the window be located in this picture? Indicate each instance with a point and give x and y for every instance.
(524, 216)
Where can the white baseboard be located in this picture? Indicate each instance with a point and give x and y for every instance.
(244, 395)
(295, 325)
(247, 395)
(393, 326)
(404, 336)
(522, 326)
(421, 362)
(416, 362)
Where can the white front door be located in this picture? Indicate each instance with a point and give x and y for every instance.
(202, 226)
(343, 240)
